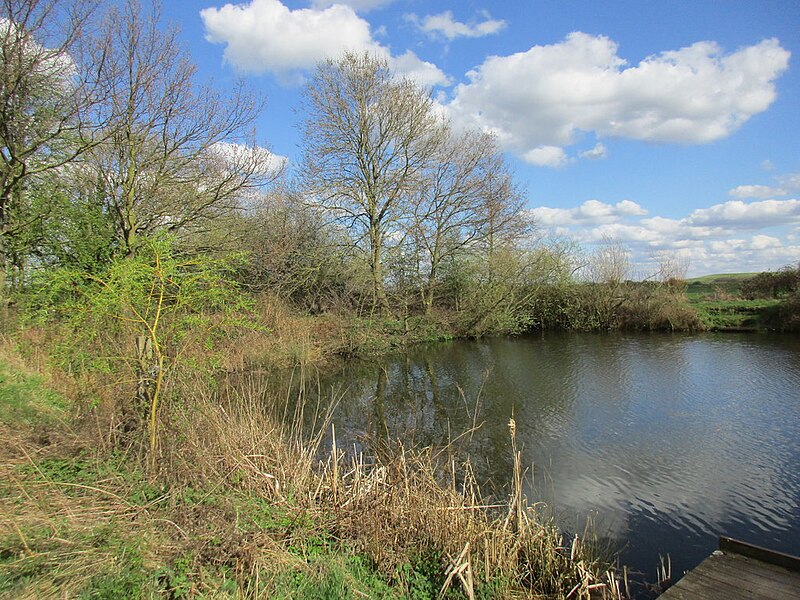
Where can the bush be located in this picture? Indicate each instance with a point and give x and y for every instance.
(138, 320)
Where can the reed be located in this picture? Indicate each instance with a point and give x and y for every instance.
(398, 508)
(255, 495)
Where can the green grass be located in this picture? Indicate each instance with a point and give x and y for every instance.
(25, 399)
(721, 278)
(723, 286)
(96, 527)
(734, 314)
(88, 519)
(122, 547)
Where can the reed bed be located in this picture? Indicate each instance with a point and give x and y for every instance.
(249, 499)
(400, 506)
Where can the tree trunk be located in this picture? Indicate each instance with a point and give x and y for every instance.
(379, 300)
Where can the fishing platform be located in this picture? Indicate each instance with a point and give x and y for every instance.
(740, 571)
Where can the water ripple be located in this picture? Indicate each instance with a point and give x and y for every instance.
(671, 440)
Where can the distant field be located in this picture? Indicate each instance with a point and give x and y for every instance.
(721, 278)
(718, 302)
(734, 314)
(721, 286)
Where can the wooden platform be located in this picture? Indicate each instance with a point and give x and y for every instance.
(739, 571)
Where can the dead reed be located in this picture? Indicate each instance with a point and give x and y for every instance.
(248, 492)
(393, 508)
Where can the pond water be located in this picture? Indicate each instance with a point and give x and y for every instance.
(664, 441)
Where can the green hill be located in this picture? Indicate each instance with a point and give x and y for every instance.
(721, 278)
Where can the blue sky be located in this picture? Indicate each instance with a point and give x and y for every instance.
(671, 127)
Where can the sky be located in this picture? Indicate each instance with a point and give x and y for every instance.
(672, 128)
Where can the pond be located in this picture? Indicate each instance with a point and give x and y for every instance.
(664, 441)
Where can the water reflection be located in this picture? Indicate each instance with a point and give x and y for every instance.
(668, 441)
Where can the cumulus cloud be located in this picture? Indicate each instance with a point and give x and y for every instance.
(790, 182)
(728, 236)
(763, 242)
(356, 5)
(266, 162)
(265, 36)
(544, 96)
(755, 191)
(56, 67)
(753, 215)
(424, 73)
(546, 156)
(757, 253)
(599, 151)
(589, 213)
(444, 25)
(787, 184)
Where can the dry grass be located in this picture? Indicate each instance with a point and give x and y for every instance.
(244, 489)
(51, 529)
(407, 505)
(287, 339)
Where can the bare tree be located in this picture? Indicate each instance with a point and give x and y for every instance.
(610, 264)
(179, 154)
(672, 268)
(368, 138)
(608, 269)
(467, 201)
(293, 252)
(46, 97)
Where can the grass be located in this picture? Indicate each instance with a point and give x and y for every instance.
(734, 314)
(25, 399)
(718, 302)
(721, 278)
(721, 287)
(247, 505)
(293, 340)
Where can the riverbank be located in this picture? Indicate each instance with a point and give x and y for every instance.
(746, 301)
(131, 473)
(243, 505)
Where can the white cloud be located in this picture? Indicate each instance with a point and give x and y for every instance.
(267, 163)
(589, 213)
(599, 151)
(546, 156)
(444, 25)
(265, 36)
(55, 67)
(790, 182)
(753, 215)
(758, 253)
(681, 229)
(543, 97)
(622, 232)
(731, 236)
(755, 191)
(424, 73)
(356, 5)
(763, 242)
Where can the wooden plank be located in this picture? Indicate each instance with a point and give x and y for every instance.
(743, 574)
(708, 589)
(734, 577)
(773, 557)
(734, 567)
(707, 581)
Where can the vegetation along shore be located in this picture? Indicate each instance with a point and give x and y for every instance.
(149, 245)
